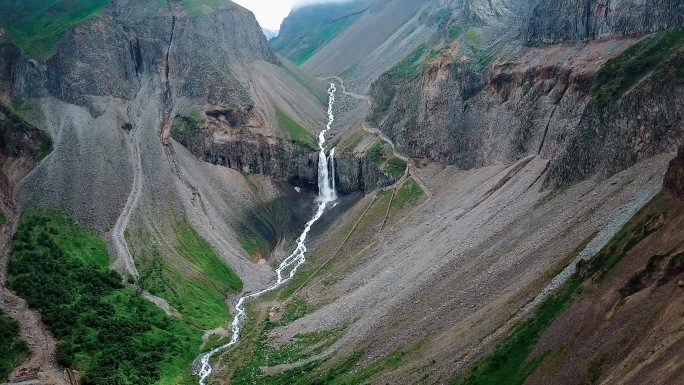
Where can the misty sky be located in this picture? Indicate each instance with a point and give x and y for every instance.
(270, 13)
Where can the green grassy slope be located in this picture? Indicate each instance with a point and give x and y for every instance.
(36, 26)
(194, 282)
(639, 61)
(103, 328)
(315, 26)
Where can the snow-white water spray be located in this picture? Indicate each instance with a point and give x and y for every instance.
(288, 267)
(326, 164)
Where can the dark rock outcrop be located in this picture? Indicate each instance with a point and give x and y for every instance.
(674, 177)
(290, 162)
(21, 147)
(573, 20)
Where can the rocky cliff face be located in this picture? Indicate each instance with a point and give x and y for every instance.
(246, 151)
(674, 178)
(21, 147)
(133, 67)
(108, 56)
(572, 20)
(590, 109)
(128, 67)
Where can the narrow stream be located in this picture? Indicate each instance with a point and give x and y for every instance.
(288, 267)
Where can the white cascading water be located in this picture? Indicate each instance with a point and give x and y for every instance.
(288, 267)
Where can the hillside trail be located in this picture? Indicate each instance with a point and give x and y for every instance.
(32, 330)
(374, 131)
(123, 259)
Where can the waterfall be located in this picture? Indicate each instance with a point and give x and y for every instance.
(288, 267)
(326, 164)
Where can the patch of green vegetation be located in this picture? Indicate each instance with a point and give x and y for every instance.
(197, 282)
(45, 145)
(309, 83)
(483, 58)
(336, 374)
(621, 73)
(409, 66)
(473, 36)
(646, 272)
(376, 153)
(266, 224)
(455, 30)
(558, 191)
(103, 329)
(630, 235)
(344, 372)
(298, 134)
(27, 111)
(186, 128)
(196, 7)
(408, 194)
(294, 311)
(349, 71)
(361, 376)
(14, 349)
(510, 363)
(214, 341)
(396, 167)
(293, 284)
(3, 219)
(253, 243)
(198, 251)
(36, 26)
(251, 374)
(300, 347)
(674, 261)
(351, 142)
(442, 15)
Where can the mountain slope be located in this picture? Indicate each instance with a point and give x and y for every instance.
(306, 29)
(476, 166)
(366, 37)
(600, 112)
(416, 283)
(167, 215)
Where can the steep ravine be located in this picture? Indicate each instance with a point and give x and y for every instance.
(401, 285)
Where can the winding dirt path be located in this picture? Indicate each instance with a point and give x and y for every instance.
(123, 258)
(386, 139)
(383, 137)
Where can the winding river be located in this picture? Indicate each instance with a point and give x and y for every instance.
(288, 267)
